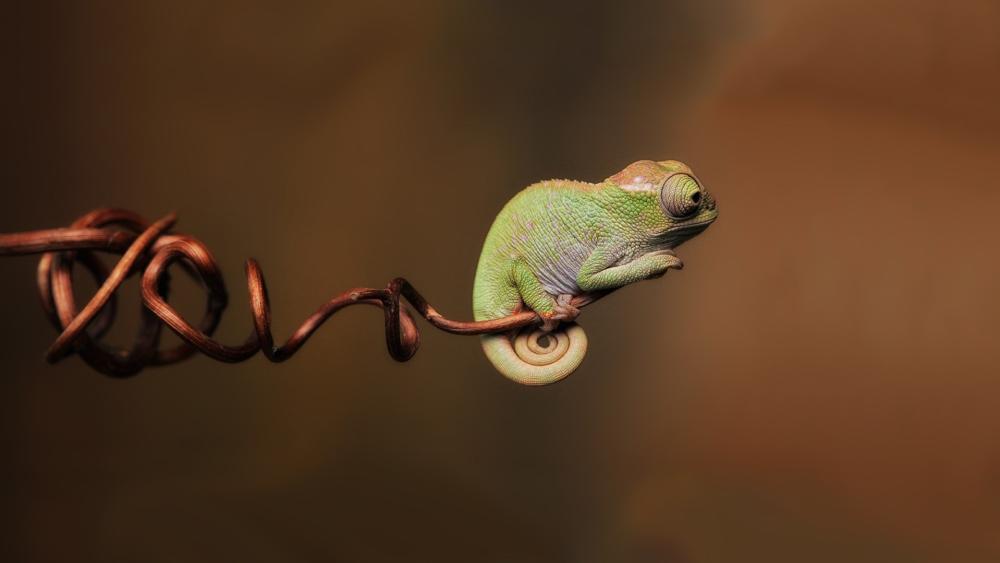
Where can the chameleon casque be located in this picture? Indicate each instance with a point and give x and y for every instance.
(560, 244)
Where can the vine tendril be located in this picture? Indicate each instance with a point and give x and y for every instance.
(150, 249)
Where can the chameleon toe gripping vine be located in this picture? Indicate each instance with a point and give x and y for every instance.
(554, 248)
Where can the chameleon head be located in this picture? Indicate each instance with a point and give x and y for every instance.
(671, 204)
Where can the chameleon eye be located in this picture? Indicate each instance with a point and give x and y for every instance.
(680, 195)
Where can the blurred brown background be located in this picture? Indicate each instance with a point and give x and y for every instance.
(819, 384)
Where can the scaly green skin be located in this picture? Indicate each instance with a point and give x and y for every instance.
(560, 239)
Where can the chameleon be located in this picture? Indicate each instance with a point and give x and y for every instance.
(560, 244)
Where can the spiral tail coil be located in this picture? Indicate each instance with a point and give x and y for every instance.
(531, 356)
(150, 249)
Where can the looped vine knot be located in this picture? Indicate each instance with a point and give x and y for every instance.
(149, 249)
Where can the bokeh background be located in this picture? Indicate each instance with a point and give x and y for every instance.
(820, 383)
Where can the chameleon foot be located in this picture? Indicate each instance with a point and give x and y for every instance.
(564, 311)
(670, 262)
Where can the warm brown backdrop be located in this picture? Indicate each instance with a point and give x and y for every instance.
(819, 384)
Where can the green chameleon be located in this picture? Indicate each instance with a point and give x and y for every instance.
(560, 244)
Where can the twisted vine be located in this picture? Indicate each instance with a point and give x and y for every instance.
(150, 249)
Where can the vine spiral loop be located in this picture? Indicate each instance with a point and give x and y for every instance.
(150, 249)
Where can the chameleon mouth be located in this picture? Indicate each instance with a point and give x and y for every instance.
(679, 235)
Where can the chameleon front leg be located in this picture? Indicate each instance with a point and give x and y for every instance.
(598, 272)
(551, 309)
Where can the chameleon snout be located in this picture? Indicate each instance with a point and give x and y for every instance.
(709, 201)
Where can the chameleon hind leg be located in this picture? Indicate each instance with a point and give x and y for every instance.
(533, 356)
(533, 293)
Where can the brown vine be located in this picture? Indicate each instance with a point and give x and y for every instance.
(150, 249)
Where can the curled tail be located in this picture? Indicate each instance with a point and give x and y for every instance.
(534, 357)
